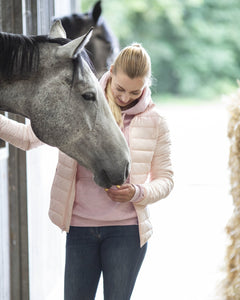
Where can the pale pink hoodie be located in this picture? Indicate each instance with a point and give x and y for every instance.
(92, 206)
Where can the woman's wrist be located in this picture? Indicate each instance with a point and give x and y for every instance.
(139, 193)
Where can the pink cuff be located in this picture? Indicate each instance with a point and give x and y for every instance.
(139, 193)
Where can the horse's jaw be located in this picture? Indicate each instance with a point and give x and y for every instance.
(109, 162)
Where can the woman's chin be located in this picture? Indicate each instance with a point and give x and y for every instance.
(121, 103)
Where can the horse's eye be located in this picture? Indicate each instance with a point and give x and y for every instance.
(89, 96)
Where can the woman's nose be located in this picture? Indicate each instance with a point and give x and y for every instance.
(125, 97)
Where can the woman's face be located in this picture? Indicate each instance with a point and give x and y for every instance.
(126, 90)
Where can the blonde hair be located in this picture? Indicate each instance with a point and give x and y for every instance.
(135, 62)
(116, 110)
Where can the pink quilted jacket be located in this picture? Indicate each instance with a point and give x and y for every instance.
(151, 166)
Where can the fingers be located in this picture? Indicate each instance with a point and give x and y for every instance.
(123, 193)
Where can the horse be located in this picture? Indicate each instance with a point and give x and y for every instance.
(103, 46)
(47, 79)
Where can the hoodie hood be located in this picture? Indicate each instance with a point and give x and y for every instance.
(143, 102)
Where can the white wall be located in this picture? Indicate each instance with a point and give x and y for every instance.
(46, 241)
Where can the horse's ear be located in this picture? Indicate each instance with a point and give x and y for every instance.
(72, 49)
(96, 12)
(57, 30)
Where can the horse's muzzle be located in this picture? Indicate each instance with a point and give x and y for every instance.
(107, 178)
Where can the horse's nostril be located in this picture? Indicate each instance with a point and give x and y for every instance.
(127, 171)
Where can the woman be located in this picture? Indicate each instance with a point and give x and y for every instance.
(107, 230)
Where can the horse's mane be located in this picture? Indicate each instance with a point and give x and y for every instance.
(20, 54)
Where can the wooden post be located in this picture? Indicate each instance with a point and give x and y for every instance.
(2, 143)
(30, 17)
(11, 17)
(18, 224)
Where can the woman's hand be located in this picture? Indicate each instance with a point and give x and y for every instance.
(123, 193)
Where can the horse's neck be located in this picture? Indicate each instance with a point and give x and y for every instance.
(15, 97)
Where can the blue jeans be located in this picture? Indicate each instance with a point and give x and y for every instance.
(113, 250)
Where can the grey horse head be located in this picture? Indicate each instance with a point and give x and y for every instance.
(66, 105)
(103, 46)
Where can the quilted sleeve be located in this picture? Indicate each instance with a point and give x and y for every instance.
(160, 181)
(18, 134)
